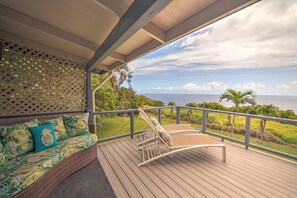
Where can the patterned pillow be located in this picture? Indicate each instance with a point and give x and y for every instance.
(164, 135)
(155, 121)
(16, 140)
(86, 117)
(3, 156)
(60, 130)
(31, 123)
(44, 137)
(76, 125)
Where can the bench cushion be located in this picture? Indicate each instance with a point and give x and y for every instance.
(22, 171)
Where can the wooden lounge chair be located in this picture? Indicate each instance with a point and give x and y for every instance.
(170, 128)
(165, 144)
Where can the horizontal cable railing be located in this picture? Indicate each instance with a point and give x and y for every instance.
(247, 135)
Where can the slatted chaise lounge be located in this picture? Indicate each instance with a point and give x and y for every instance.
(166, 144)
(170, 128)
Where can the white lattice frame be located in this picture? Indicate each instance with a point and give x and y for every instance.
(34, 82)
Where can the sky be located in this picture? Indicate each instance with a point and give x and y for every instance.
(255, 48)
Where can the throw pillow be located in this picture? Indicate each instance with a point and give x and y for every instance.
(164, 135)
(16, 140)
(60, 130)
(76, 125)
(31, 123)
(86, 117)
(155, 121)
(44, 137)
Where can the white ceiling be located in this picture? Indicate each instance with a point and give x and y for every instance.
(77, 28)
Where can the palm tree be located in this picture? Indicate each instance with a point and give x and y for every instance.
(266, 110)
(171, 103)
(238, 98)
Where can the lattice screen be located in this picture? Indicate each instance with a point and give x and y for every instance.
(35, 82)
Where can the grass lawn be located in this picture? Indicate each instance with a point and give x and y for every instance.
(117, 125)
(286, 132)
(271, 145)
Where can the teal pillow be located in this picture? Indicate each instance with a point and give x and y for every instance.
(43, 137)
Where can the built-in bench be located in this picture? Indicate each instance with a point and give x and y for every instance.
(36, 174)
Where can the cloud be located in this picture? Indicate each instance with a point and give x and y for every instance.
(260, 36)
(289, 86)
(282, 86)
(219, 87)
(194, 88)
(250, 85)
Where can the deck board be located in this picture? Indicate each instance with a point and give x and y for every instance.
(168, 191)
(197, 173)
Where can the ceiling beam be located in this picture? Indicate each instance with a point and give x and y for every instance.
(118, 56)
(103, 67)
(44, 27)
(146, 48)
(155, 31)
(118, 8)
(116, 65)
(214, 12)
(138, 14)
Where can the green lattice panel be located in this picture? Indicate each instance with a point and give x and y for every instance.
(36, 82)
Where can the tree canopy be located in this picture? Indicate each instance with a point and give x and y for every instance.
(113, 95)
(239, 97)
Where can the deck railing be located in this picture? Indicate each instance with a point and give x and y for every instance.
(247, 135)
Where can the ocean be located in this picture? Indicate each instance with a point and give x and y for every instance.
(283, 102)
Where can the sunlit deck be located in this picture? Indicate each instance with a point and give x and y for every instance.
(197, 173)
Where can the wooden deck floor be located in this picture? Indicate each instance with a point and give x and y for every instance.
(197, 173)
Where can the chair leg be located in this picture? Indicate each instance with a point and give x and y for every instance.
(224, 153)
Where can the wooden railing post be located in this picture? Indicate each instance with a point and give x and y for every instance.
(160, 115)
(204, 119)
(205, 112)
(247, 131)
(90, 107)
(177, 115)
(132, 124)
